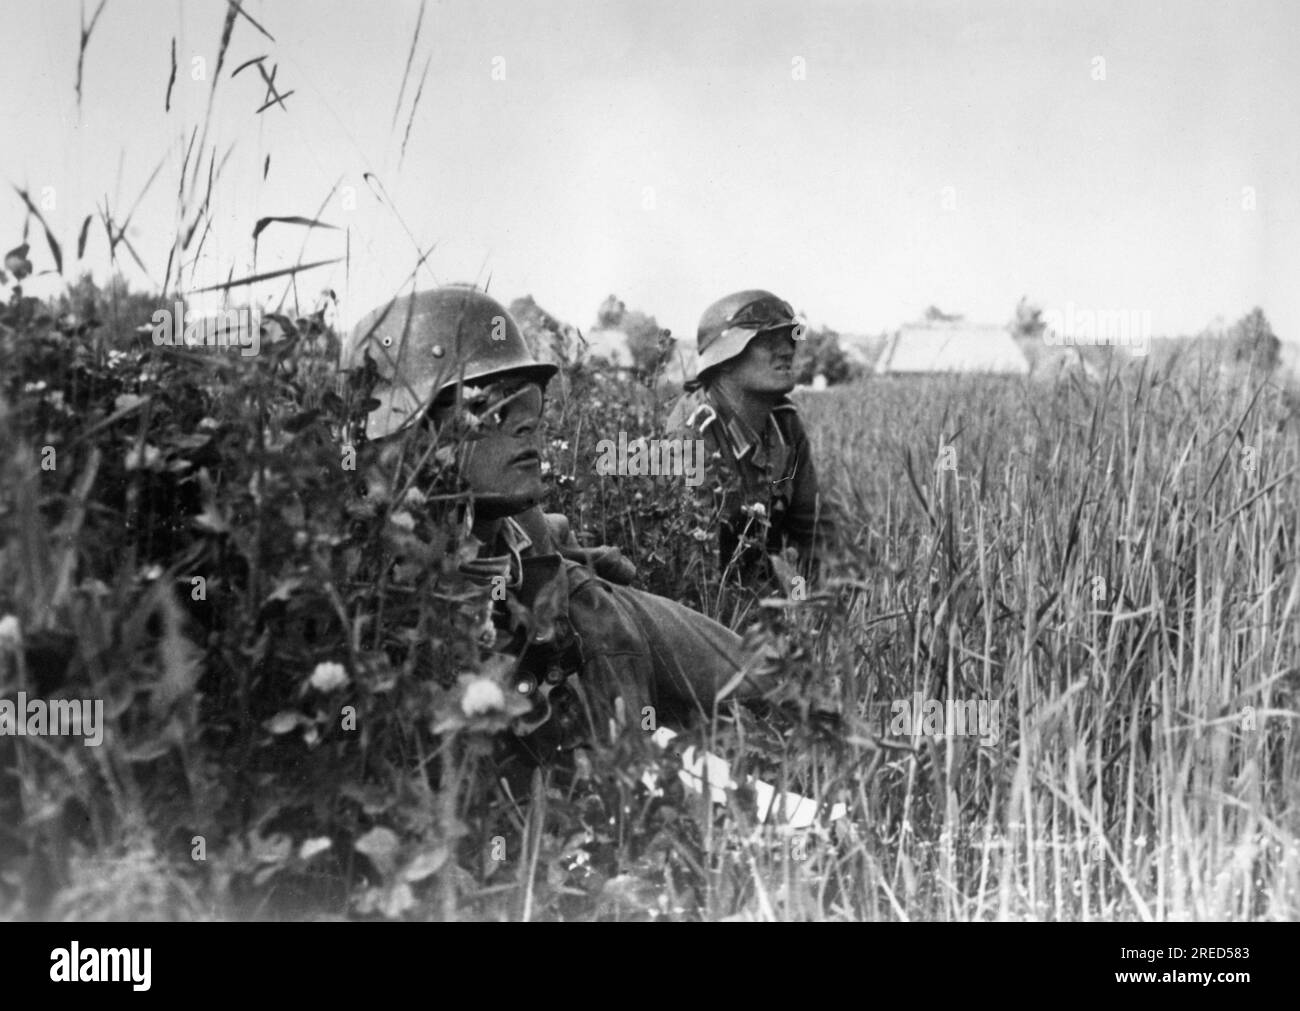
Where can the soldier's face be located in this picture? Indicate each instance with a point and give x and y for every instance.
(504, 467)
(767, 365)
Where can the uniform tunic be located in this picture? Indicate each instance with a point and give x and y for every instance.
(772, 469)
(620, 641)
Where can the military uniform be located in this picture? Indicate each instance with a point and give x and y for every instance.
(597, 641)
(772, 469)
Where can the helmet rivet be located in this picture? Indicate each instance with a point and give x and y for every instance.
(438, 351)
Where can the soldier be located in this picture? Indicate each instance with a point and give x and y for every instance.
(632, 652)
(761, 484)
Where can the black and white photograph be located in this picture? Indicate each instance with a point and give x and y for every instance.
(608, 461)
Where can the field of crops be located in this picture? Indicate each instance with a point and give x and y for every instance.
(1111, 564)
(1117, 562)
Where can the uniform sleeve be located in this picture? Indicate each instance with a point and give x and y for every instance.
(652, 650)
(808, 518)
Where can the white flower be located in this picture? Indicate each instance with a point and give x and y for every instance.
(328, 676)
(482, 696)
(145, 459)
(402, 519)
(700, 534)
(414, 498)
(312, 847)
(11, 633)
(35, 387)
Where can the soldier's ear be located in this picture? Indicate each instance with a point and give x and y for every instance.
(710, 376)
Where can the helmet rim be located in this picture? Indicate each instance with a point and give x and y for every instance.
(723, 333)
(430, 341)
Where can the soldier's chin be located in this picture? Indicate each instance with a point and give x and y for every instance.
(783, 382)
(495, 506)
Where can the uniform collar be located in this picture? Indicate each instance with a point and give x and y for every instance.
(744, 440)
(513, 537)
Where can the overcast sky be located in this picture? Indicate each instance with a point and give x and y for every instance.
(863, 160)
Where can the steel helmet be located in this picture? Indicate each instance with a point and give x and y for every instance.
(730, 323)
(426, 343)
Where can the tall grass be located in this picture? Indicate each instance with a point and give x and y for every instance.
(1115, 562)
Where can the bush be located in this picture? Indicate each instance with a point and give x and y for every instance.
(1254, 343)
(268, 608)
